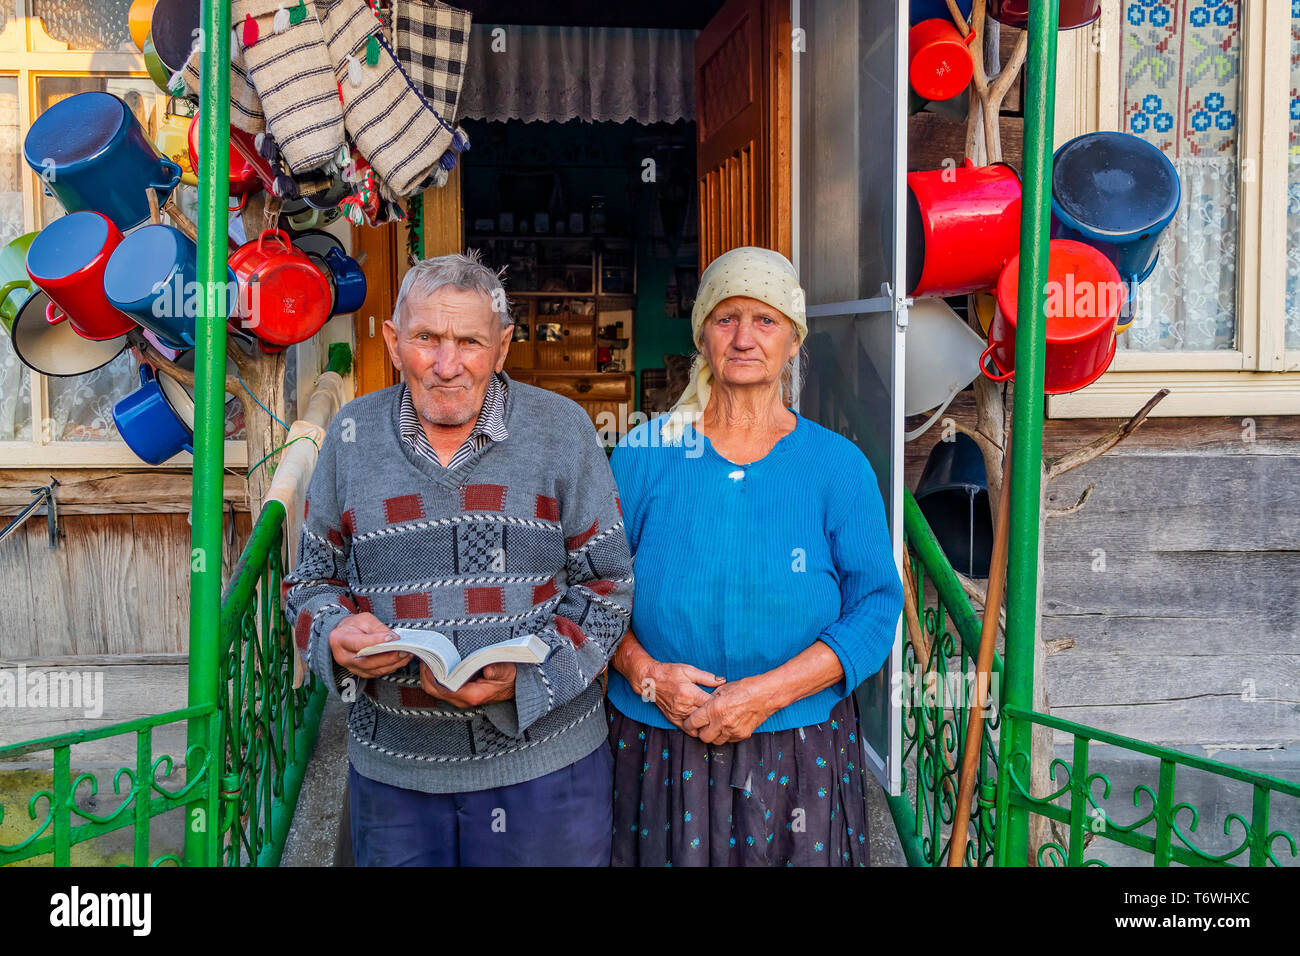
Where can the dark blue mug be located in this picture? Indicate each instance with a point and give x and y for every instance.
(148, 424)
(91, 153)
(349, 282)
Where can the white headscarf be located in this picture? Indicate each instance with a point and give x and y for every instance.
(749, 271)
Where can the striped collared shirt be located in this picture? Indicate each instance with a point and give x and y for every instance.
(491, 424)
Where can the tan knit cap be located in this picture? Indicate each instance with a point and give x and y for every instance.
(749, 271)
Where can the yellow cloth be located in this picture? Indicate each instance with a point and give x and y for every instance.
(749, 271)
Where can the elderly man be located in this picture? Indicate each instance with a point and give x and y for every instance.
(482, 508)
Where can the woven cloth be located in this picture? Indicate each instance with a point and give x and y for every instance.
(432, 44)
(292, 74)
(401, 136)
(245, 106)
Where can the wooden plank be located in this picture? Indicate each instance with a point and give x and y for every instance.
(1178, 584)
(1179, 503)
(1273, 435)
(1219, 721)
(102, 582)
(1086, 677)
(110, 491)
(161, 554)
(1208, 635)
(45, 630)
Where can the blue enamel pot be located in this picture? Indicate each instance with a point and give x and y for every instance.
(349, 282)
(92, 154)
(919, 10)
(1118, 193)
(152, 276)
(148, 424)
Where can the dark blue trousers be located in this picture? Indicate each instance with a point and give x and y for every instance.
(564, 818)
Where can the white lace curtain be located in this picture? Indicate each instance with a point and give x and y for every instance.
(596, 74)
(1189, 301)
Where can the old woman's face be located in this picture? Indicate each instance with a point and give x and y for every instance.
(747, 342)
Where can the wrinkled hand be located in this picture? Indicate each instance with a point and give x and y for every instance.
(496, 682)
(359, 631)
(675, 690)
(731, 712)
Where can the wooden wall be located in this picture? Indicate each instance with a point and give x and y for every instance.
(1188, 633)
(119, 581)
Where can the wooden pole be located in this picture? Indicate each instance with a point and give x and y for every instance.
(973, 752)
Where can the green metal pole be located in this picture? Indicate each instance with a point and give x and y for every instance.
(1027, 416)
(201, 831)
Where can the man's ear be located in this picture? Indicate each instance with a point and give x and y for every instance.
(390, 339)
(507, 334)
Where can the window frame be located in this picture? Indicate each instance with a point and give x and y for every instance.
(29, 54)
(1261, 376)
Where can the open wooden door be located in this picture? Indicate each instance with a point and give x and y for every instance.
(742, 95)
(385, 264)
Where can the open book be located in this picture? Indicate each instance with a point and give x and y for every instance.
(449, 669)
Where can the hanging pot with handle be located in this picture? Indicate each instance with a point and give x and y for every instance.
(148, 425)
(283, 297)
(963, 224)
(1071, 14)
(67, 260)
(1118, 193)
(244, 180)
(172, 140)
(1084, 296)
(92, 154)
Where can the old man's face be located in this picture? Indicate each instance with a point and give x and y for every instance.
(448, 347)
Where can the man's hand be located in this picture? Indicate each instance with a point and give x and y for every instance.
(732, 711)
(496, 682)
(358, 631)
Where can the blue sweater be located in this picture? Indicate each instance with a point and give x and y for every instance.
(739, 569)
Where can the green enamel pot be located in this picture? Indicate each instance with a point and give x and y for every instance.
(157, 72)
(15, 284)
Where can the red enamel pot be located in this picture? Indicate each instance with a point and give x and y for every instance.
(1070, 13)
(243, 177)
(963, 225)
(67, 260)
(283, 297)
(939, 59)
(1084, 297)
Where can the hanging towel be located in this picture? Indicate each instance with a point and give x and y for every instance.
(292, 74)
(245, 106)
(400, 135)
(432, 44)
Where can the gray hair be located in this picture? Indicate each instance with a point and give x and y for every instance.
(464, 272)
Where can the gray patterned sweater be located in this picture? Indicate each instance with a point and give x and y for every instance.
(524, 536)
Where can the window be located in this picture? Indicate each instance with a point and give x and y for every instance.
(1211, 83)
(60, 48)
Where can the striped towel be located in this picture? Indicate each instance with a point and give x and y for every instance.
(401, 136)
(292, 75)
(245, 107)
(432, 43)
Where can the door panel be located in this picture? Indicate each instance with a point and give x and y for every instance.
(850, 122)
(742, 77)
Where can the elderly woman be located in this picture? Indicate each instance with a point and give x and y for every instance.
(766, 591)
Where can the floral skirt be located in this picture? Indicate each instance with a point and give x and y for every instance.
(785, 798)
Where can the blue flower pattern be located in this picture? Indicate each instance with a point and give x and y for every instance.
(829, 779)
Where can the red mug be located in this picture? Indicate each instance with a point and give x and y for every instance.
(67, 260)
(939, 59)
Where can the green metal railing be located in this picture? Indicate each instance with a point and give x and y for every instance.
(935, 710)
(1164, 828)
(239, 785)
(1166, 831)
